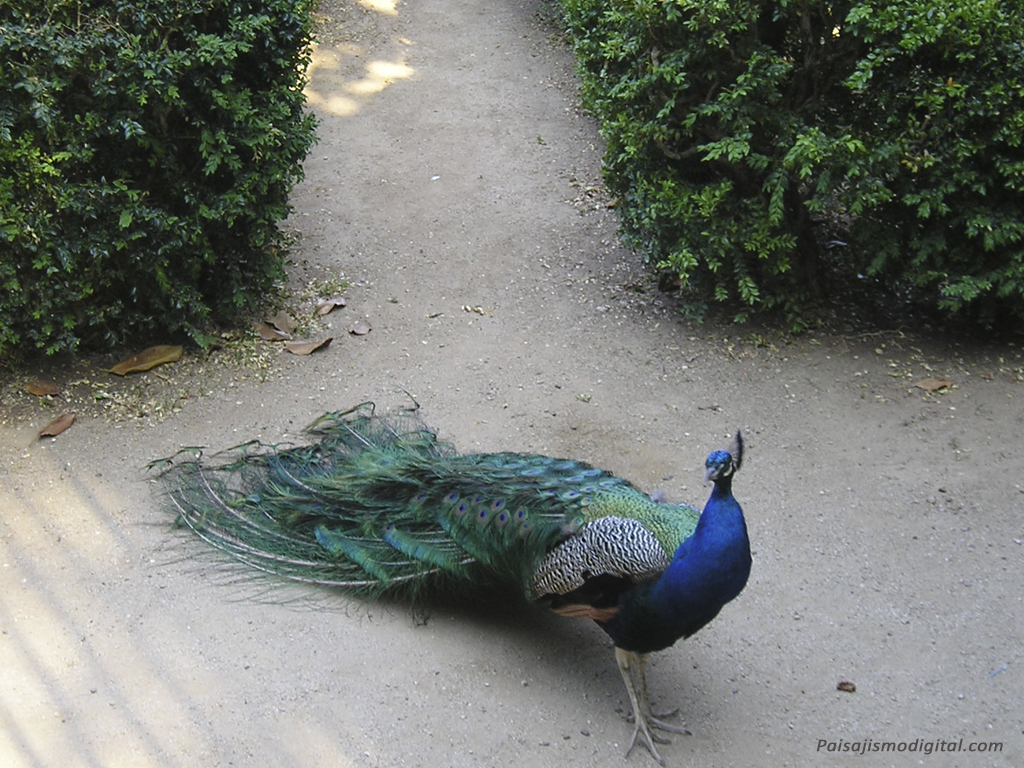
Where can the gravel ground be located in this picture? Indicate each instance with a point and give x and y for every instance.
(456, 192)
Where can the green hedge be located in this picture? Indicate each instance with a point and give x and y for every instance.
(743, 135)
(147, 151)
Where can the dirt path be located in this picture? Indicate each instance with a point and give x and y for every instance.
(451, 187)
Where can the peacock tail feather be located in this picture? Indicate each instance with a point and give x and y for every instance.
(379, 504)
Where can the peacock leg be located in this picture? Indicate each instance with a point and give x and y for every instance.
(653, 718)
(631, 669)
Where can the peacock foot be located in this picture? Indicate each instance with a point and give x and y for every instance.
(631, 667)
(663, 726)
(655, 719)
(649, 738)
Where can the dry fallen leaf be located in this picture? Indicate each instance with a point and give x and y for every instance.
(933, 384)
(327, 306)
(307, 347)
(148, 358)
(267, 333)
(283, 322)
(41, 388)
(58, 425)
(847, 686)
(360, 328)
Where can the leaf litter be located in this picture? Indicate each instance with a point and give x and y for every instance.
(148, 359)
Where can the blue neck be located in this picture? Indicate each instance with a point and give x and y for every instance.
(708, 570)
(713, 564)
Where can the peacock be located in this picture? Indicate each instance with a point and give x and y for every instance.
(377, 504)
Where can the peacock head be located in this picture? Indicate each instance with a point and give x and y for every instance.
(723, 464)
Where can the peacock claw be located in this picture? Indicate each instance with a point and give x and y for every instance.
(648, 742)
(656, 723)
(654, 718)
(670, 713)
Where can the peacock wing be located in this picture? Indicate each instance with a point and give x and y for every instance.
(608, 546)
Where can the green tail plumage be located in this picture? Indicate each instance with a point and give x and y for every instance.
(379, 504)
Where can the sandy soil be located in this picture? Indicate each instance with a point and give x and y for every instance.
(456, 187)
